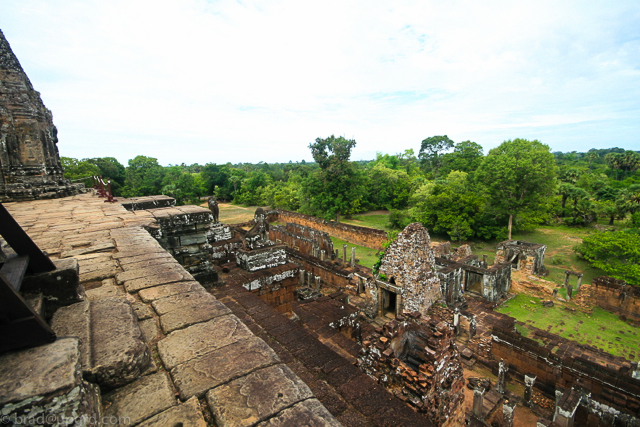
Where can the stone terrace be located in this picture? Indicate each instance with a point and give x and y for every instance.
(205, 359)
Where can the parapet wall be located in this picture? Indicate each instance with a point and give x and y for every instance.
(616, 296)
(367, 237)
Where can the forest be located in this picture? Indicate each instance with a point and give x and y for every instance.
(454, 189)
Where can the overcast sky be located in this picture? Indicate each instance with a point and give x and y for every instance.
(249, 81)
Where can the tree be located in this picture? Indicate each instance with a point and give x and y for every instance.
(76, 170)
(466, 157)
(334, 189)
(112, 169)
(616, 253)
(143, 177)
(518, 177)
(430, 150)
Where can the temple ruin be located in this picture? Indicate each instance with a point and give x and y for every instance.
(29, 160)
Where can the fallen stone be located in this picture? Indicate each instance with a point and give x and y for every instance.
(257, 396)
(182, 310)
(157, 292)
(196, 340)
(186, 415)
(197, 376)
(45, 382)
(309, 413)
(141, 399)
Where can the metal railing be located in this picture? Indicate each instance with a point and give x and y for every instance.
(102, 189)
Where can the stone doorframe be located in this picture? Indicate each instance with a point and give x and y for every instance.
(384, 286)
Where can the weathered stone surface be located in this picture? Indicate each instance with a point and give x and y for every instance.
(143, 311)
(186, 415)
(113, 353)
(60, 287)
(197, 340)
(98, 247)
(199, 375)
(155, 280)
(150, 329)
(74, 321)
(309, 413)
(141, 399)
(103, 291)
(257, 396)
(118, 353)
(157, 292)
(182, 310)
(29, 160)
(159, 262)
(145, 272)
(45, 383)
(39, 370)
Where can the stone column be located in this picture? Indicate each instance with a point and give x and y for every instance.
(456, 321)
(566, 278)
(502, 377)
(337, 253)
(569, 292)
(353, 256)
(472, 326)
(508, 409)
(323, 255)
(478, 397)
(555, 293)
(579, 283)
(529, 380)
(344, 253)
(301, 277)
(309, 278)
(318, 282)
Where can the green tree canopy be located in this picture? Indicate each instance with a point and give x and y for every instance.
(430, 150)
(143, 177)
(518, 177)
(616, 253)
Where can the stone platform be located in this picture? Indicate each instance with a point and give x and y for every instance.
(204, 357)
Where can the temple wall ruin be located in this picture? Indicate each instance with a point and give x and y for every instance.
(616, 296)
(302, 238)
(615, 389)
(367, 237)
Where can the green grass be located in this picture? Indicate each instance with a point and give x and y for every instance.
(600, 329)
(377, 220)
(366, 256)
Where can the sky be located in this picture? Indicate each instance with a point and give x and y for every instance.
(195, 81)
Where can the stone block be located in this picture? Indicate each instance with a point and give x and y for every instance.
(257, 396)
(187, 414)
(309, 413)
(141, 399)
(44, 383)
(150, 330)
(155, 280)
(196, 340)
(158, 269)
(157, 292)
(143, 311)
(103, 291)
(179, 311)
(113, 353)
(201, 374)
(60, 287)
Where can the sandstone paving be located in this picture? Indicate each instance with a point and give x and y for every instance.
(141, 257)
(197, 376)
(150, 330)
(161, 261)
(156, 279)
(196, 340)
(142, 311)
(157, 292)
(143, 272)
(257, 396)
(179, 311)
(187, 414)
(142, 399)
(309, 413)
(104, 291)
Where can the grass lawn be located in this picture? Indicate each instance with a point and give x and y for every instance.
(234, 214)
(366, 256)
(600, 329)
(377, 219)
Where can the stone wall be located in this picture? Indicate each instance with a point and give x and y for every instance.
(29, 160)
(616, 296)
(363, 236)
(523, 255)
(329, 273)
(614, 388)
(421, 363)
(303, 239)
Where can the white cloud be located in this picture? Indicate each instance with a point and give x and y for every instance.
(198, 81)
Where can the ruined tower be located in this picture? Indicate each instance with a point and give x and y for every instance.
(29, 161)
